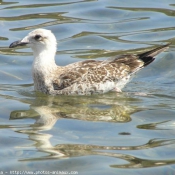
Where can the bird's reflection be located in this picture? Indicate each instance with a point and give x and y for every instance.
(46, 111)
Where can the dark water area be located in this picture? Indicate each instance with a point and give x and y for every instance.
(127, 133)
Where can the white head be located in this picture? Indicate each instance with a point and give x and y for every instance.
(38, 40)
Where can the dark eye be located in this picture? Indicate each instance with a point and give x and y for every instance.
(37, 37)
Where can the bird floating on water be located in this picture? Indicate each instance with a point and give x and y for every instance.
(82, 78)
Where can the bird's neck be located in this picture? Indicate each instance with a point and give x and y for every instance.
(44, 61)
(44, 69)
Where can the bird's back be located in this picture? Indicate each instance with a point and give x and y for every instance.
(92, 76)
(89, 77)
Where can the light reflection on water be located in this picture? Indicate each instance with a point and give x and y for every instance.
(102, 134)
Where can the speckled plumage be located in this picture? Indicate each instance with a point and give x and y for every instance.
(82, 78)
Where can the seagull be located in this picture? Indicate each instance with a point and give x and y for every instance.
(84, 77)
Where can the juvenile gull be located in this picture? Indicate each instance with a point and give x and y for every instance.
(82, 78)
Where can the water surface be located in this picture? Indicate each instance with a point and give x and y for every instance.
(128, 133)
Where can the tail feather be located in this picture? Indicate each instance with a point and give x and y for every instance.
(148, 57)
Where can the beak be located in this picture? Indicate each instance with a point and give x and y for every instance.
(22, 42)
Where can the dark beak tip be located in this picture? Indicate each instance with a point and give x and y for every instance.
(17, 43)
(11, 45)
(14, 44)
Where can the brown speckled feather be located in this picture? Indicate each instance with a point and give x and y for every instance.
(97, 76)
(99, 71)
(91, 76)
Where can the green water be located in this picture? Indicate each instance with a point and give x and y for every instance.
(127, 133)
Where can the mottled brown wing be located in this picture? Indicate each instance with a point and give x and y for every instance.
(113, 69)
(132, 61)
(74, 73)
